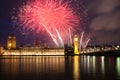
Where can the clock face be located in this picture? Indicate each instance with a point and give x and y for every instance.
(76, 39)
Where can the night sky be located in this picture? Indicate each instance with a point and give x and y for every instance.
(100, 19)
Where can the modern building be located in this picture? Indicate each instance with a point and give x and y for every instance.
(76, 44)
(11, 42)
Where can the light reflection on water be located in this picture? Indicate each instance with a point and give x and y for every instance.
(118, 66)
(59, 68)
(29, 64)
(76, 68)
(102, 65)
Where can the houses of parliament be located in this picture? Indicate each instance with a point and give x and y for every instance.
(36, 49)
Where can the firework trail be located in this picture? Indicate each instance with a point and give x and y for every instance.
(87, 43)
(54, 39)
(48, 15)
(70, 36)
(81, 39)
(62, 43)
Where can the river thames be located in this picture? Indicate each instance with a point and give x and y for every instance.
(59, 68)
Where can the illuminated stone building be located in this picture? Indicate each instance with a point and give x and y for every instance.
(11, 42)
(76, 44)
(1, 49)
(36, 42)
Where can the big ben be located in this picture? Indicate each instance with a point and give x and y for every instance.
(76, 44)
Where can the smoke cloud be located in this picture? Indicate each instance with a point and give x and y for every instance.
(105, 21)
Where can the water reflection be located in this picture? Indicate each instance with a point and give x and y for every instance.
(59, 68)
(42, 64)
(32, 65)
(93, 64)
(118, 66)
(102, 65)
(88, 64)
(76, 68)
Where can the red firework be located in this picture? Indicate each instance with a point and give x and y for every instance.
(49, 15)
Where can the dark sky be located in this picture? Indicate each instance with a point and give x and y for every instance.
(105, 21)
(100, 20)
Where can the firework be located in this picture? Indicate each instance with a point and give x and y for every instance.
(59, 36)
(70, 36)
(53, 16)
(81, 39)
(86, 43)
